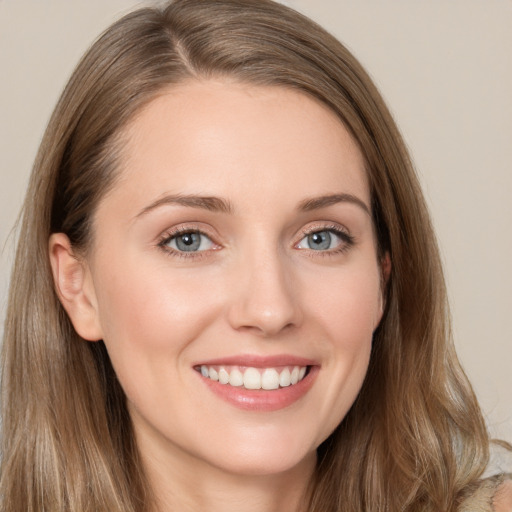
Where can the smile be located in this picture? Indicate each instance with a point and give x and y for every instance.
(254, 378)
(259, 383)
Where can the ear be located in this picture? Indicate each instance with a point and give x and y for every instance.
(74, 287)
(385, 269)
(385, 272)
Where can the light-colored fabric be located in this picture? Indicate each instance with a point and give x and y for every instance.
(499, 471)
(482, 497)
(500, 461)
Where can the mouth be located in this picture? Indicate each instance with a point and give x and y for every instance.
(259, 384)
(253, 378)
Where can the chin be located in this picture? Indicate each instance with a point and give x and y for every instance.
(266, 457)
(267, 466)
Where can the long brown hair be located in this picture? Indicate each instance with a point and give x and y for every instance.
(413, 440)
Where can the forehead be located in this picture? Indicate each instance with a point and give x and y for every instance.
(232, 139)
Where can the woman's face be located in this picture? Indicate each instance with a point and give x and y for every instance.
(236, 246)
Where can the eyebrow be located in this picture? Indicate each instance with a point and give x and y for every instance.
(217, 204)
(315, 203)
(213, 204)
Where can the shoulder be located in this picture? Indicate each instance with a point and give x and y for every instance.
(502, 500)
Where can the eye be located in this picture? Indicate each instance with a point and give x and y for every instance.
(324, 240)
(188, 241)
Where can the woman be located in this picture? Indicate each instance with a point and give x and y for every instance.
(226, 278)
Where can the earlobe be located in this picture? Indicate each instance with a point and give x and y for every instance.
(74, 287)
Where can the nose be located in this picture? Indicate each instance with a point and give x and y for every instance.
(265, 299)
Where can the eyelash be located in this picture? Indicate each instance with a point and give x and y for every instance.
(168, 236)
(347, 241)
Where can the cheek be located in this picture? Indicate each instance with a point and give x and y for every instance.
(350, 306)
(152, 311)
(354, 311)
(347, 314)
(150, 319)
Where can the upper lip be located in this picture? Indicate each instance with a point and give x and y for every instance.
(258, 361)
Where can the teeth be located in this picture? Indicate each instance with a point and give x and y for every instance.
(270, 379)
(223, 375)
(255, 378)
(285, 378)
(236, 378)
(252, 379)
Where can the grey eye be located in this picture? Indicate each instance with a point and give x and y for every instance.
(320, 241)
(192, 241)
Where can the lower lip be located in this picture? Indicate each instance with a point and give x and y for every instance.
(260, 399)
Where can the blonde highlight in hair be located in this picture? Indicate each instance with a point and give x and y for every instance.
(414, 439)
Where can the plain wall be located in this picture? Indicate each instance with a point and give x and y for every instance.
(445, 69)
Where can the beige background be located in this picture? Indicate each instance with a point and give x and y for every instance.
(445, 68)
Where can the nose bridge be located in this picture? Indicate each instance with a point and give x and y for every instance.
(265, 300)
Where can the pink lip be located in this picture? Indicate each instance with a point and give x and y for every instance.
(261, 400)
(256, 361)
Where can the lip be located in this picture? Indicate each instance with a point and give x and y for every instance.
(261, 400)
(257, 361)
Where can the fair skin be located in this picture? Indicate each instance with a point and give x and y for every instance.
(277, 276)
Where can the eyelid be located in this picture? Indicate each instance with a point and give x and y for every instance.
(324, 226)
(315, 227)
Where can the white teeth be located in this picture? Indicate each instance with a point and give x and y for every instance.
(252, 379)
(255, 378)
(236, 378)
(223, 376)
(270, 379)
(285, 378)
